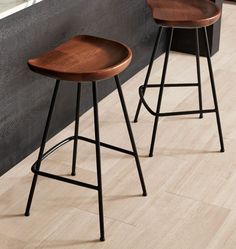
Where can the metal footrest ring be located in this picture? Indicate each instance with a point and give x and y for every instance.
(68, 180)
(166, 114)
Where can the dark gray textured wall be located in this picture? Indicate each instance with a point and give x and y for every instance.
(25, 96)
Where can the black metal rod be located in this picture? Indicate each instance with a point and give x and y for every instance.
(167, 114)
(98, 159)
(213, 90)
(199, 73)
(161, 91)
(77, 110)
(41, 151)
(149, 109)
(69, 139)
(172, 85)
(124, 108)
(108, 146)
(57, 146)
(63, 179)
(158, 38)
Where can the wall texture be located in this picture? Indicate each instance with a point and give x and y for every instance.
(25, 96)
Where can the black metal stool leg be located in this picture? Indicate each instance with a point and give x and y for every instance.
(158, 38)
(41, 151)
(76, 130)
(130, 134)
(199, 73)
(98, 158)
(213, 90)
(161, 92)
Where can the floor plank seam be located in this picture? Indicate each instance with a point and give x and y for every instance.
(200, 201)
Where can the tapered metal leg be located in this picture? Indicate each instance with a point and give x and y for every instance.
(76, 130)
(131, 135)
(41, 151)
(213, 90)
(98, 158)
(158, 38)
(161, 92)
(199, 73)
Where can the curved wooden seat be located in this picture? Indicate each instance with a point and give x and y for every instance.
(83, 58)
(184, 13)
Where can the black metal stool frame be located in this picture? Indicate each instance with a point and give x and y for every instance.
(36, 166)
(157, 113)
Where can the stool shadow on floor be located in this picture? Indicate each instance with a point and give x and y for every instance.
(10, 216)
(184, 118)
(120, 197)
(174, 152)
(69, 243)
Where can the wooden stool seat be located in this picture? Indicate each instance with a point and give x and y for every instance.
(184, 13)
(83, 58)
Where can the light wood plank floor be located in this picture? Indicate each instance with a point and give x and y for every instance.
(192, 197)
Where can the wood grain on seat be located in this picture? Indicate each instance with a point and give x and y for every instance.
(83, 58)
(184, 13)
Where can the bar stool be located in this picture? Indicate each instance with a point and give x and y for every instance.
(84, 59)
(170, 14)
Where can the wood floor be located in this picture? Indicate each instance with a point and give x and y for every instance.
(191, 186)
